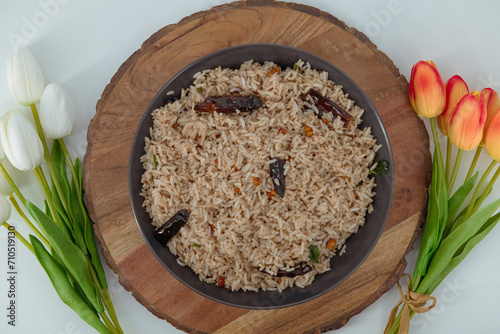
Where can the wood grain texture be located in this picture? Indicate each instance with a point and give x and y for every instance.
(164, 54)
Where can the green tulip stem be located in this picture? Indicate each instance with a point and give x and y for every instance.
(48, 158)
(28, 222)
(105, 297)
(448, 159)
(486, 191)
(111, 310)
(40, 132)
(12, 184)
(46, 192)
(474, 163)
(25, 242)
(108, 323)
(437, 146)
(470, 208)
(71, 165)
(43, 179)
(455, 171)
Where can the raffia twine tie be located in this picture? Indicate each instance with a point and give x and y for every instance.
(411, 300)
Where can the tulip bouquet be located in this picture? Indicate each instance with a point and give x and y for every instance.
(63, 240)
(470, 120)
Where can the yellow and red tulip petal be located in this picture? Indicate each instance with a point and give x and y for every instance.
(492, 106)
(492, 138)
(456, 88)
(467, 121)
(426, 90)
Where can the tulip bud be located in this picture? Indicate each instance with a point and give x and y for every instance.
(25, 77)
(426, 90)
(56, 112)
(492, 138)
(5, 188)
(467, 121)
(492, 107)
(455, 88)
(20, 141)
(4, 210)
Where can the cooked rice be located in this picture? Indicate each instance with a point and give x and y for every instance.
(189, 164)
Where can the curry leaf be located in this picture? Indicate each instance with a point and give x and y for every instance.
(314, 253)
(381, 168)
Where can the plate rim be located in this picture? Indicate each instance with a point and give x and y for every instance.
(149, 238)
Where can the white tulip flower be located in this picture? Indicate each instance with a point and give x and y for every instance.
(56, 112)
(4, 210)
(25, 77)
(20, 141)
(2, 153)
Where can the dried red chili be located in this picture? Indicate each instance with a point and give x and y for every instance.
(325, 105)
(277, 172)
(229, 104)
(171, 227)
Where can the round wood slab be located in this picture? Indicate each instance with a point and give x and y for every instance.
(165, 53)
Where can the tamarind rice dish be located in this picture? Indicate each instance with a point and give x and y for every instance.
(254, 180)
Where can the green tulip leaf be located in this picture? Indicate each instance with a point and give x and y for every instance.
(465, 249)
(460, 217)
(436, 219)
(47, 209)
(78, 167)
(473, 241)
(94, 256)
(87, 228)
(458, 198)
(72, 257)
(64, 288)
(59, 207)
(59, 162)
(79, 290)
(452, 243)
(78, 219)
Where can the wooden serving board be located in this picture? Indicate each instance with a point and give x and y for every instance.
(165, 53)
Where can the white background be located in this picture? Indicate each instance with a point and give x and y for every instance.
(81, 44)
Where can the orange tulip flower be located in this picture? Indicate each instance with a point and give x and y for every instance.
(492, 137)
(492, 106)
(467, 121)
(455, 89)
(426, 90)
